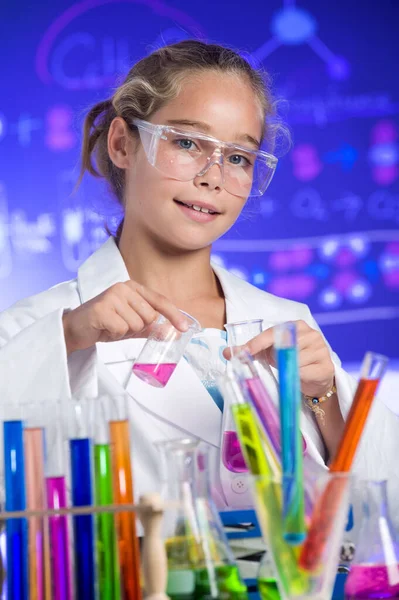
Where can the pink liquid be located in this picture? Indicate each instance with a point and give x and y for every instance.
(157, 375)
(232, 457)
(366, 582)
(60, 562)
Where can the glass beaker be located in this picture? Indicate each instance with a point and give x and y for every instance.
(375, 570)
(200, 562)
(266, 580)
(163, 349)
(232, 457)
(293, 581)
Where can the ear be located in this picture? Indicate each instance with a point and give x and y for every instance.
(120, 143)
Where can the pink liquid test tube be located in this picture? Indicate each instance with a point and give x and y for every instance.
(59, 540)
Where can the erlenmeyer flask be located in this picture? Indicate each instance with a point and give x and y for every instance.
(375, 570)
(232, 459)
(242, 332)
(200, 563)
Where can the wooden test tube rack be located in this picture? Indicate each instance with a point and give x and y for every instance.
(149, 509)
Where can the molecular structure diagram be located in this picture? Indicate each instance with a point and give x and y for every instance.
(294, 26)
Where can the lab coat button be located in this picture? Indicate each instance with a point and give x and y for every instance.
(239, 485)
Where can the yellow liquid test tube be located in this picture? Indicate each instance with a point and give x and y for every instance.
(128, 544)
(261, 461)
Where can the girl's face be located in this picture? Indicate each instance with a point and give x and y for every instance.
(222, 106)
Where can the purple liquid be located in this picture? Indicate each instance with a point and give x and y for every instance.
(366, 582)
(157, 375)
(60, 563)
(268, 413)
(266, 410)
(232, 457)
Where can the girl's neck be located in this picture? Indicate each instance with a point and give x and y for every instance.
(180, 276)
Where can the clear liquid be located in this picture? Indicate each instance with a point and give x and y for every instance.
(366, 582)
(157, 375)
(232, 456)
(268, 589)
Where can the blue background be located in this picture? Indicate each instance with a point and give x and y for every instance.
(327, 231)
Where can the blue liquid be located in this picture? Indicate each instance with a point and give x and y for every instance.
(82, 495)
(16, 529)
(291, 446)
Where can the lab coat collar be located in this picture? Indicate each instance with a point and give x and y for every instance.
(106, 267)
(101, 270)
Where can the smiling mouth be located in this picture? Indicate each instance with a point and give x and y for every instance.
(198, 208)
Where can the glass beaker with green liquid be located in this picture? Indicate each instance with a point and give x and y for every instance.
(267, 584)
(201, 565)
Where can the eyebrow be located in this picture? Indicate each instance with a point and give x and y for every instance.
(206, 128)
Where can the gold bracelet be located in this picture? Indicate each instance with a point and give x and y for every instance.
(313, 403)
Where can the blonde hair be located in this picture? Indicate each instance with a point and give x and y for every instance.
(149, 85)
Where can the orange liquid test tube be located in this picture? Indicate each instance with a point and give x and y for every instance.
(326, 508)
(128, 544)
(355, 424)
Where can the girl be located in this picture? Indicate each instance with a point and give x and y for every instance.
(179, 145)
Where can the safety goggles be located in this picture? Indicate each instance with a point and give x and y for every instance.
(185, 155)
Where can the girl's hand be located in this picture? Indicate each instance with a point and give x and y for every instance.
(125, 310)
(316, 368)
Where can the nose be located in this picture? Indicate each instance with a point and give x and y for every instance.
(212, 175)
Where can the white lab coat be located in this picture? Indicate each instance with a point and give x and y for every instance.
(34, 365)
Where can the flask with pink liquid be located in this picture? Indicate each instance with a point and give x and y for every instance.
(375, 571)
(162, 351)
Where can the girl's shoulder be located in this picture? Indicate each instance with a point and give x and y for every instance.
(28, 310)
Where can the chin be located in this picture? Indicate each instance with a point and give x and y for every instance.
(188, 243)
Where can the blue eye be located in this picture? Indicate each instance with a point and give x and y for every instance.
(238, 160)
(186, 144)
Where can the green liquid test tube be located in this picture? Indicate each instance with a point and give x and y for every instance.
(106, 543)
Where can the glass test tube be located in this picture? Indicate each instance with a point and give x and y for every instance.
(109, 586)
(291, 439)
(56, 491)
(80, 432)
(128, 544)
